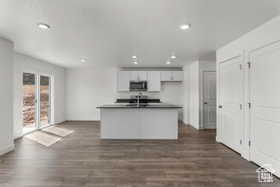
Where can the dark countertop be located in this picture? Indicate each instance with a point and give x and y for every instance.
(147, 106)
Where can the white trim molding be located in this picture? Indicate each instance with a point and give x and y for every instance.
(7, 149)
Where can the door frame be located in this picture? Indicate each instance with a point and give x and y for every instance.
(37, 99)
(51, 112)
(202, 125)
(244, 107)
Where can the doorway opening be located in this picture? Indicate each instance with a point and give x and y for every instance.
(209, 100)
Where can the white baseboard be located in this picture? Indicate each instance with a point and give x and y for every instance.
(185, 122)
(218, 139)
(7, 149)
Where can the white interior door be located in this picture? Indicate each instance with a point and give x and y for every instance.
(265, 106)
(209, 99)
(231, 90)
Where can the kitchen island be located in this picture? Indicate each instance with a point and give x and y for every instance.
(148, 121)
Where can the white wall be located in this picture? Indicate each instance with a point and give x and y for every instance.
(23, 63)
(194, 94)
(6, 92)
(88, 88)
(186, 94)
(191, 94)
(263, 35)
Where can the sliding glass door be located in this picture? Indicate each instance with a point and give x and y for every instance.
(29, 110)
(45, 109)
(36, 108)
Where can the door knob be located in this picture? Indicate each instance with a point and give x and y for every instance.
(205, 103)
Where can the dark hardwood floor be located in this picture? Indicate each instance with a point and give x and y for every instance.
(83, 160)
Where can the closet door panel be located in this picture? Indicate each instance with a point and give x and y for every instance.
(231, 93)
(265, 106)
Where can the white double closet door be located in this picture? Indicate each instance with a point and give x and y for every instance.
(231, 99)
(264, 91)
(262, 105)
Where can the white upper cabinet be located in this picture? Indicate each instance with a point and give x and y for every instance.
(172, 76)
(177, 76)
(153, 78)
(154, 81)
(138, 75)
(123, 80)
(165, 76)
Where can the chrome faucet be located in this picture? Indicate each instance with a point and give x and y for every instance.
(138, 99)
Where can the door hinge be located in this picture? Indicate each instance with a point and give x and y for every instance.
(220, 106)
(249, 65)
(240, 66)
(240, 106)
(240, 142)
(249, 143)
(249, 105)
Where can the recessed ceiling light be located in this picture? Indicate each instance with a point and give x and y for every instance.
(135, 62)
(185, 26)
(43, 26)
(168, 62)
(173, 57)
(83, 60)
(134, 57)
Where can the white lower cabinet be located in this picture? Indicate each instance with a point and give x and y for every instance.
(135, 123)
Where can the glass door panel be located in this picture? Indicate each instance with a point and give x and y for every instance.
(45, 107)
(29, 102)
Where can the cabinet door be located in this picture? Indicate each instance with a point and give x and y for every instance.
(265, 106)
(154, 81)
(123, 80)
(177, 76)
(231, 98)
(142, 75)
(165, 75)
(139, 76)
(172, 76)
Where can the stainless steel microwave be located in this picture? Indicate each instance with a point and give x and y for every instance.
(138, 86)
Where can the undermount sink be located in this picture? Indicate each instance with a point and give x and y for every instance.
(136, 105)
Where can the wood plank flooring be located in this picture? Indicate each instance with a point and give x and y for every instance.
(83, 160)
